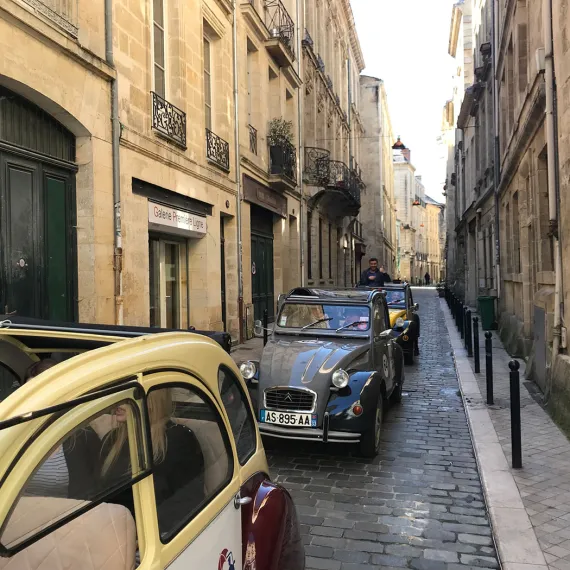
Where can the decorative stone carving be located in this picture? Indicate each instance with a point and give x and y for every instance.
(309, 78)
(330, 117)
(321, 98)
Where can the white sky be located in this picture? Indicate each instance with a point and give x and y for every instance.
(405, 43)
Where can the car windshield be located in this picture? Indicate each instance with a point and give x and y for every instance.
(330, 317)
(396, 299)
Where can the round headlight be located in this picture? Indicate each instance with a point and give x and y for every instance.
(340, 378)
(399, 322)
(248, 370)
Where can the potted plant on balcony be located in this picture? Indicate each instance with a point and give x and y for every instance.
(280, 140)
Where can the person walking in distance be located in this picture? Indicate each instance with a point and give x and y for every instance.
(374, 276)
(427, 277)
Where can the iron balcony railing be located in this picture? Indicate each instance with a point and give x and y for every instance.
(308, 40)
(356, 184)
(217, 150)
(329, 81)
(252, 139)
(316, 168)
(283, 160)
(168, 120)
(60, 12)
(280, 24)
(339, 175)
(320, 63)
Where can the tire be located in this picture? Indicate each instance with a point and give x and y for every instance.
(396, 397)
(409, 356)
(370, 441)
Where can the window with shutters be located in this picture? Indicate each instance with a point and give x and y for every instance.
(207, 49)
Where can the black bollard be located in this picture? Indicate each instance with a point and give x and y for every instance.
(476, 344)
(452, 304)
(468, 335)
(514, 365)
(461, 319)
(265, 326)
(489, 366)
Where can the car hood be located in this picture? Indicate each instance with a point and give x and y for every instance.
(395, 314)
(307, 363)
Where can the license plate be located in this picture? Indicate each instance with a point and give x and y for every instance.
(288, 419)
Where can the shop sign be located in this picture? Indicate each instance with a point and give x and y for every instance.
(263, 196)
(170, 220)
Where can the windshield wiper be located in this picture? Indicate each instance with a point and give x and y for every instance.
(326, 319)
(349, 325)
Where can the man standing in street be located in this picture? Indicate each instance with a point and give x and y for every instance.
(427, 277)
(374, 276)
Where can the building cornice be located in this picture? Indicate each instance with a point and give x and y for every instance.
(354, 41)
(456, 16)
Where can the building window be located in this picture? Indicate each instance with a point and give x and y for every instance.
(310, 244)
(159, 48)
(320, 248)
(208, 82)
(516, 235)
(330, 251)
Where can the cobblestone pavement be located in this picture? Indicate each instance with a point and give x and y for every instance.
(418, 504)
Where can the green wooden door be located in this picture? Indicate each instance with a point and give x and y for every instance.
(262, 275)
(36, 244)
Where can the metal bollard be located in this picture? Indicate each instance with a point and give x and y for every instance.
(476, 344)
(516, 444)
(452, 304)
(489, 366)
(265, 326)
(461, 319)
(468, 333)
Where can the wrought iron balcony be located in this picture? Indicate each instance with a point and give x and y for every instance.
(308, 40)
(339, 175)
(281, 28)
(283, 163)
(252, 139)
(217, 150)
(320, 63)
(316, 170)
(60, 12)
(356, 184)
(329, 82)
(168, 120)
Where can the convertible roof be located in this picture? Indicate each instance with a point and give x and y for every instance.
(85, 335)
(361, 295)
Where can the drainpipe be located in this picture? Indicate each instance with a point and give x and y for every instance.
(381, 163)
(301, 161)
(238, 178)
(496, 149)
(552, 145)
(349, 72)
(115, 141)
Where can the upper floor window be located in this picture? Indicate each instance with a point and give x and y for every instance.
(208, 82)
(159, 58)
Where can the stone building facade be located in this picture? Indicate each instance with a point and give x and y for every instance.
(332, 132)
(434, 217)
(378, 215)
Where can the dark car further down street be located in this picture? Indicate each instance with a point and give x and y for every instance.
(329, 368)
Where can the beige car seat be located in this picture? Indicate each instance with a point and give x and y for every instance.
(104, 538)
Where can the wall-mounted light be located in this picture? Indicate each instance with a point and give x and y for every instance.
(345, 242)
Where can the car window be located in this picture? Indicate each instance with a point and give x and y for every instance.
(239, 413)
(323, 316)
(74, 474)
(379, 322)
(191, 452)
(396, 298)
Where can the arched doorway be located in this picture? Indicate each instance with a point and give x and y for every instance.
(37, 212)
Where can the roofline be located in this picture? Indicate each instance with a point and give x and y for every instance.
(456, 14)
(354, 41)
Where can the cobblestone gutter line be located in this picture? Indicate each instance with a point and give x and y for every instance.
(517, 544)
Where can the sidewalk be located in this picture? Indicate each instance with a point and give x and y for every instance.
(529, 508)
(249, 350)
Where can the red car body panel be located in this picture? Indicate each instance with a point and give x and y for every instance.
(270, 529)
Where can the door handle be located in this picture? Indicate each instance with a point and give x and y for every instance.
(241, 501)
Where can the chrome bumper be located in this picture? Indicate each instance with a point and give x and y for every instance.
(309, 434)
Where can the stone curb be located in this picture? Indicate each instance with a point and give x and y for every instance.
(516, 542)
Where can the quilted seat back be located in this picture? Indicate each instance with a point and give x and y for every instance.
(104, 538)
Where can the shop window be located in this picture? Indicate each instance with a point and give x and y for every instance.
(239, 413)
(166, 259)
(191, 452)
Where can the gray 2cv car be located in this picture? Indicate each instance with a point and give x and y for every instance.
(329, 368)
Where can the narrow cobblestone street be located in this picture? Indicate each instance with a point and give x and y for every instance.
(419, 503)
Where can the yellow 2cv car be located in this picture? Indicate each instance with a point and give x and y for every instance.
(142, 452)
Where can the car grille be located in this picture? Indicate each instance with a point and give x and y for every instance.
(289, 399)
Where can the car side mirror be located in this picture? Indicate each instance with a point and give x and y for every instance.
(416, 307)
(386, 334)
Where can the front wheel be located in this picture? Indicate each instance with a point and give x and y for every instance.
(370, 441)
(396, 396)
